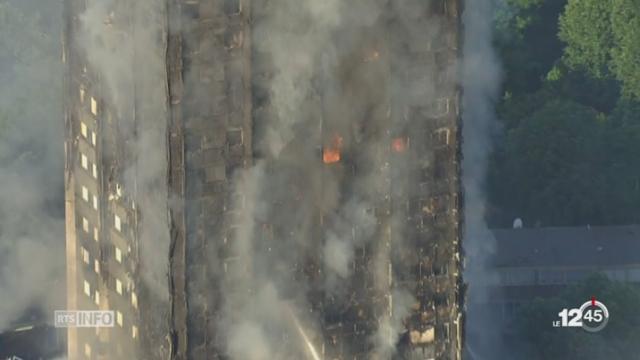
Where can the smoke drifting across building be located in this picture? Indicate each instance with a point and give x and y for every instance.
(264, 179)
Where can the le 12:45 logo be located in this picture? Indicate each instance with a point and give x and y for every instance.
(592, 316)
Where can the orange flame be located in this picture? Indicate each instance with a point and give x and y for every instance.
(331, 154)
(399, 145)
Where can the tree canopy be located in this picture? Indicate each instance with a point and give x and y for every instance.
(550, 166)
(568, 152)
(603, 36)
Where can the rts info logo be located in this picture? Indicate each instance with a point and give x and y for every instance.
(80, 318)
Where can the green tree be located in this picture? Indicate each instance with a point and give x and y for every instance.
(549, 167)
(586, 28)
(563, 163)
(622, 149)
(601, 93)
(570, 151)
(625, 55)
(526, 38)
(603, 36)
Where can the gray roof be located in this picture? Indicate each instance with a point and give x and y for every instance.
(584, 246)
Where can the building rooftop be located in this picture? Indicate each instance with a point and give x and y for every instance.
(586, 246)
(36, 341)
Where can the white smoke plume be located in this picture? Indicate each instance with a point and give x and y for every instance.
(391, 326)
(109, 49)
(342, 241)
(481, 77)
(31, 162)
(255, 312)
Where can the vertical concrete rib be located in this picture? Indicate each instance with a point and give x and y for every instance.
(176, 184)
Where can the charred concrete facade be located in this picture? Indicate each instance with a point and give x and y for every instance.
(210, 139)
(382, 128)
(101, 218)
(431, 200)
(102, 213)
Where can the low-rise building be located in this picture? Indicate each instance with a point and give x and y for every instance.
(540, 262)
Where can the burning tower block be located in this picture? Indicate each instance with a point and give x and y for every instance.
(371, 163)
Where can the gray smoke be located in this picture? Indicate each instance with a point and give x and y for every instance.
(109, 48)
(341, 241)
(392, 325)
(31, 161)
(300, 40)
(481, 81)
(266, 313)
(299, 33)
